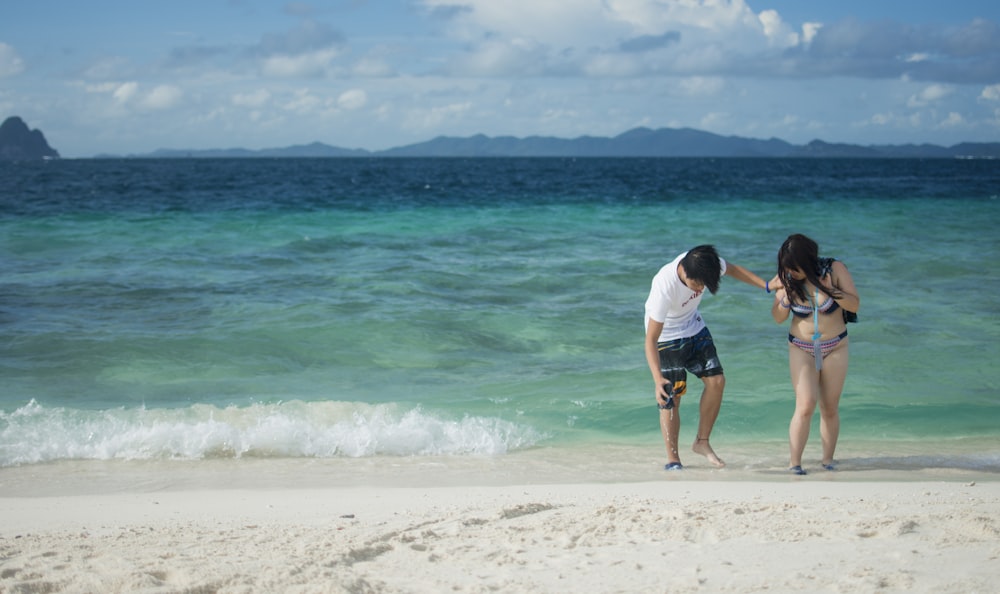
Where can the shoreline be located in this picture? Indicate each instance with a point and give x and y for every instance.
(596, 464)
(661, 535)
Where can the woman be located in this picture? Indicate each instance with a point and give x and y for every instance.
(820, 297)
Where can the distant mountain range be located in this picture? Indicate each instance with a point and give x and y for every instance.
(17, 142)
(316, 149)
(638, 142)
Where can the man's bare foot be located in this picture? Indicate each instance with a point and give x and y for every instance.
(701, 446)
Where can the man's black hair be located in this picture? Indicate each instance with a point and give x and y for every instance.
(701, 264)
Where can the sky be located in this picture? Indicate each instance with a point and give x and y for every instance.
(129, 77)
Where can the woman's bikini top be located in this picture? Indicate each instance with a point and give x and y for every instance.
(828, 306)
(804, 311)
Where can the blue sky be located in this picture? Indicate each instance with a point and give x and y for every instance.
(127, 76)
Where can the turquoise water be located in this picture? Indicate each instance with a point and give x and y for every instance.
(358, 308)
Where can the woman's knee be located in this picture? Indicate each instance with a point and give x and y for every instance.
(806, 410)
(829, 412)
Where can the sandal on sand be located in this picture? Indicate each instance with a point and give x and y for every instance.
(674, 466)
(831, 466)
(797, 470)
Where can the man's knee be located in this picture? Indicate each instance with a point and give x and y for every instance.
(714, 382)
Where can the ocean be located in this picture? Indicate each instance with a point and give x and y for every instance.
(378, 317)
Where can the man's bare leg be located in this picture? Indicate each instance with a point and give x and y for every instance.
(670, 424)
(711, 403)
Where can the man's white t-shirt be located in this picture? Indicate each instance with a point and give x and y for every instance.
(670, 301)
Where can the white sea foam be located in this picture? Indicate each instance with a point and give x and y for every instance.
(35, 433)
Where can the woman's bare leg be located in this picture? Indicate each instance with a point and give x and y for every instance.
(805, 382)
(831, 385)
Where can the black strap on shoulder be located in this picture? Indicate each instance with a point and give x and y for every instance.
(825, 266)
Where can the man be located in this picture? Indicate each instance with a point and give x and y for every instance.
(678, 341)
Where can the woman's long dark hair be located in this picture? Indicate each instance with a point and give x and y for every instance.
(800, 253)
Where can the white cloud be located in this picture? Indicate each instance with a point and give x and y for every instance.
(519, 56)
(882, 119)
(124, 92)
(893, 121)
(809, 31)
(704, 60)
(777, 32)
(257, 98)
(373, 68)
(561, 114)
(107, 87)
(612, 65)
(953, 119)
(931, 94)
(162, 97)
(559, 24)
(130, 93)
(990, 93)
(309, 65)
(517, 37)
(424, 119)
(303, 102)
(702, 85)
(715, 120)
(10, 62)
(306, 37)
(705, 37)
(352, 99)
(708, 15)
(110, 68)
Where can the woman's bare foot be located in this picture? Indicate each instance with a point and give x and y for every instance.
(701, 446)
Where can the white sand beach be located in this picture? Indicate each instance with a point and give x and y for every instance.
(675, 534)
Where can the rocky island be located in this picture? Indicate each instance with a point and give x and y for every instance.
(19, 143)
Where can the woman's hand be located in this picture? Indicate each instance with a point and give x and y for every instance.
(828, 285)
(840, 280)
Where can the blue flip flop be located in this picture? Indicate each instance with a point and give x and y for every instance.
(674, 466)
(831, 466)
(797, 470)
